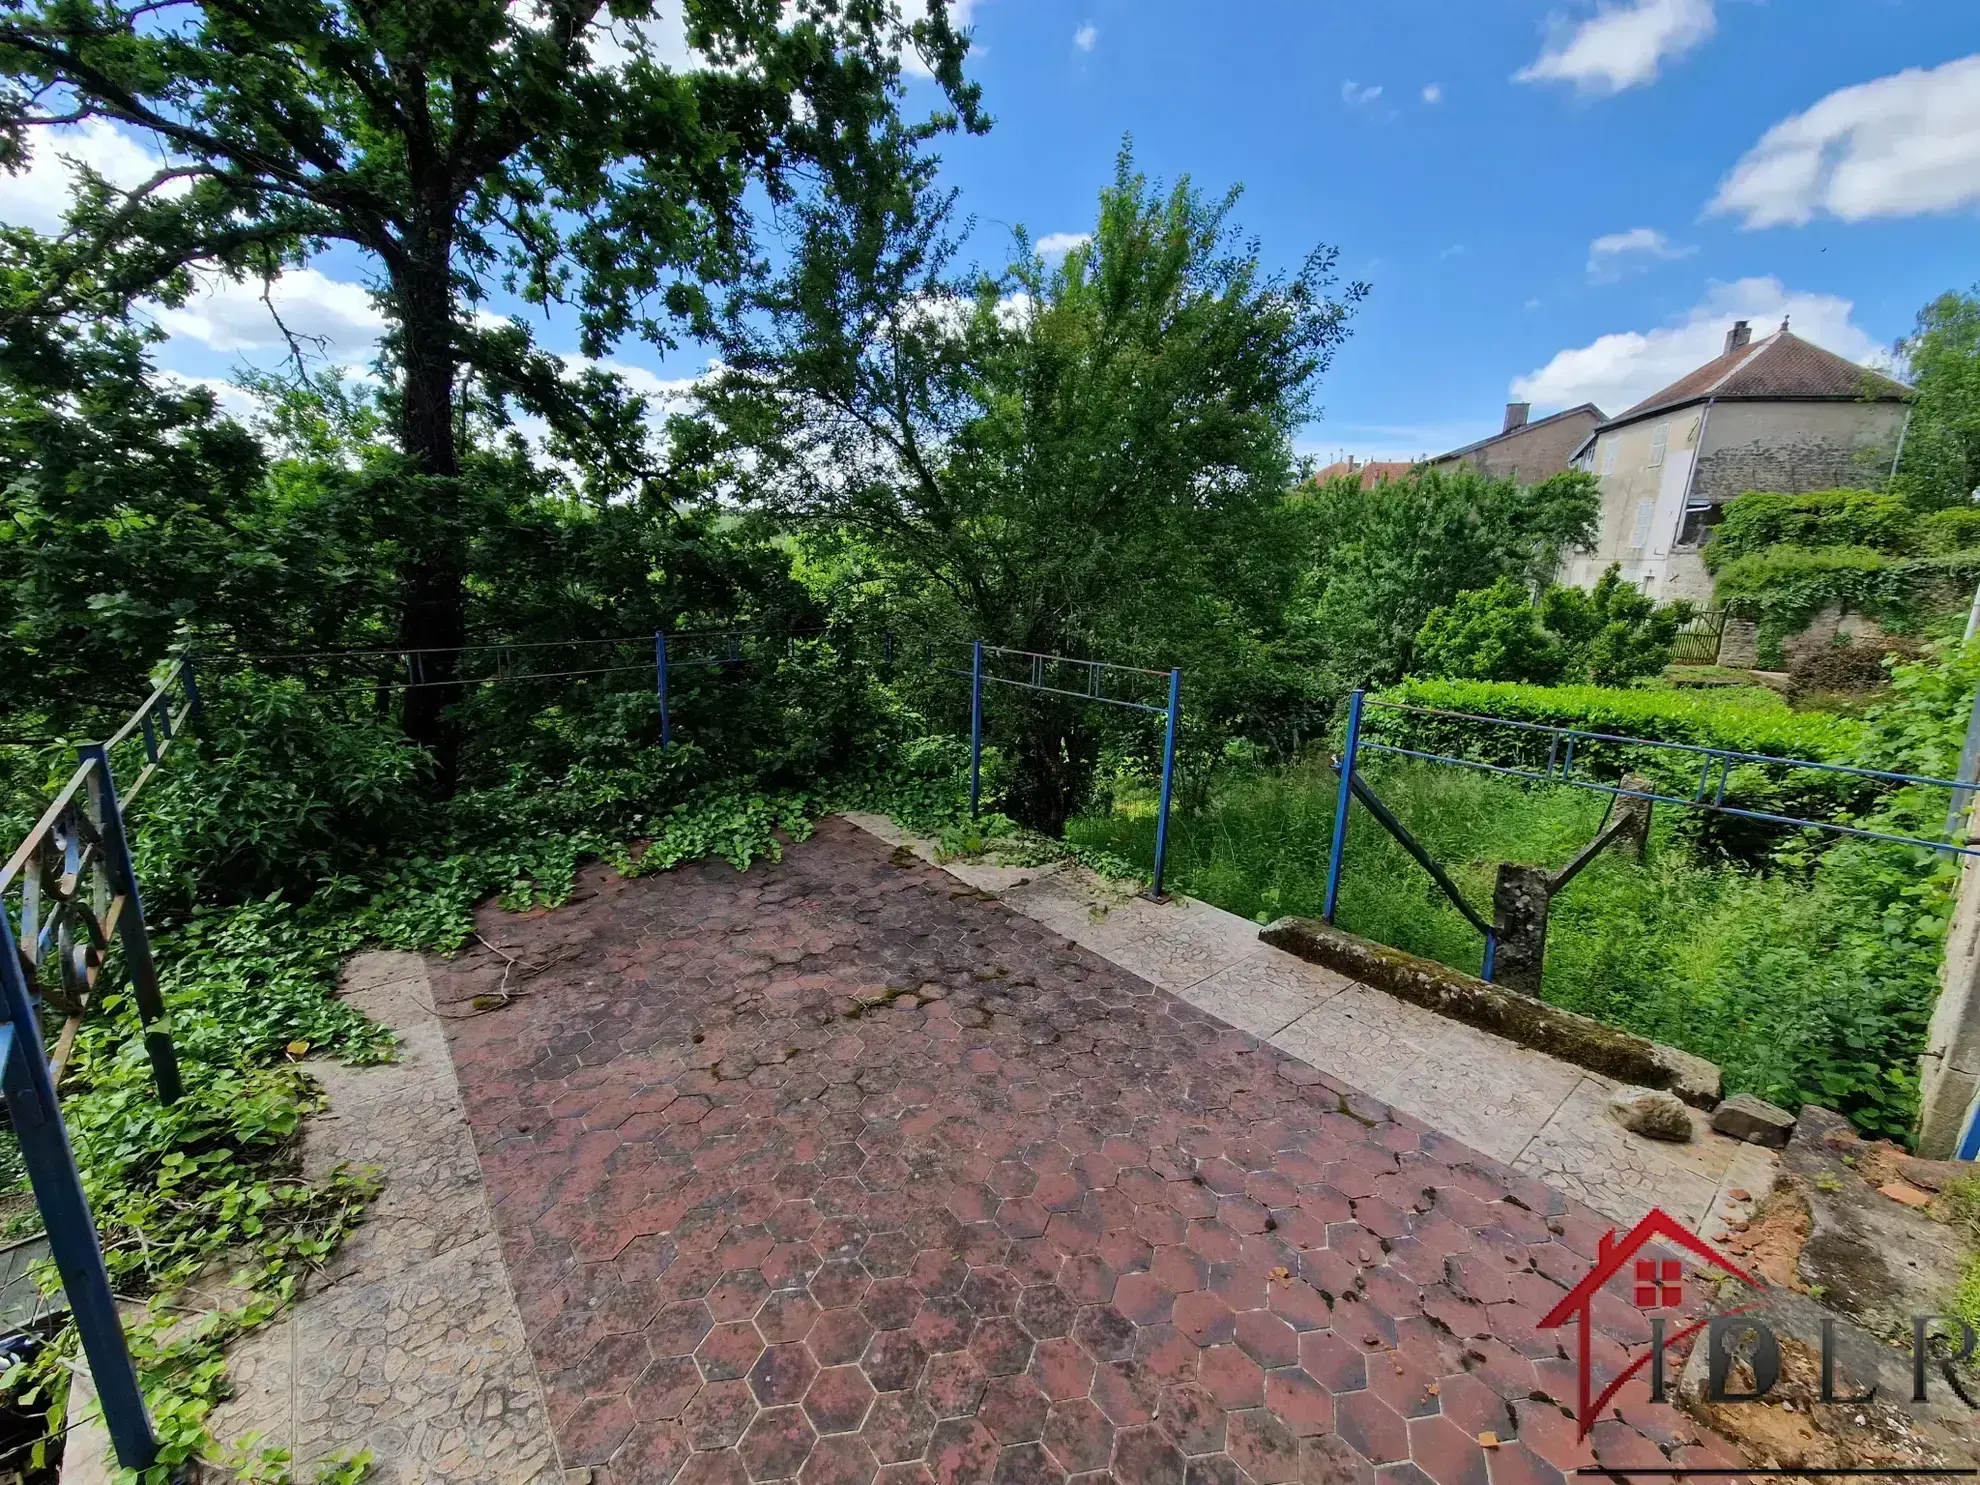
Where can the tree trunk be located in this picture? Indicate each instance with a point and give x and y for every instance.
(432, 624)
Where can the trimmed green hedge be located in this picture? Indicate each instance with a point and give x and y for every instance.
(1746, 721)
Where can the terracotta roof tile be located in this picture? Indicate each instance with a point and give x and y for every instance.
(1782, 365)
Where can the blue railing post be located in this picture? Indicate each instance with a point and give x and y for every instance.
(660, 685)
(131, 929)
(1491, 957)
(51, 1168)
(1168, 784)
(195, 708)
(975, 726)
(1349, 753)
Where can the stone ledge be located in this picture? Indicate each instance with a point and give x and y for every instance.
(1518, 1018)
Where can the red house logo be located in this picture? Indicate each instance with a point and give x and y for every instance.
(1659, 1284)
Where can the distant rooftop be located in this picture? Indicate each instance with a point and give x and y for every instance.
(1782, 367)
(1371, 471)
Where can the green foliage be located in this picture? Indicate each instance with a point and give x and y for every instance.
(1088, 459)
(1944, 532)
(1612, 635)
(1804, 985)
(1784, 588)
(1759, 521)
(1941, 462)
(1489, 634)
(1384, 558)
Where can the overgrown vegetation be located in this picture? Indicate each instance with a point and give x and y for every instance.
(1805, 967)
(422, 599)
(1610, 635)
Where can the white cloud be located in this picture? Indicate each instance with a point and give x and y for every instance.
(1085, 36)
(1058, 244)
(1622, 46)
(1356, 96)
(1898, 146)
(40, 195)
(226, 315)
(1433, 92)
(1618, 370)
(1618, 253)
(663, 394)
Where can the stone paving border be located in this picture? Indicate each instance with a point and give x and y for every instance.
(410, 1344)
(1541, 1116)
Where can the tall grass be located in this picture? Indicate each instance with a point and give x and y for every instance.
(1782, 978)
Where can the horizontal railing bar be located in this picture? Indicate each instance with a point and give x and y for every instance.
(44, 824)
(525, 644)
(131, 724)
(1651, 742)
(1139, 706)
(1678, 799)
(483, 680)
(1069, 660)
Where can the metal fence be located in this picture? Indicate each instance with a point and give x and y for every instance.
(1568, 750)
(1089, 680)
(66, 893)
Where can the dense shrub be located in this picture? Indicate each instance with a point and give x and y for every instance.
(1611, 634)
(1760, 521)
(1489, 634)
(1943, 532)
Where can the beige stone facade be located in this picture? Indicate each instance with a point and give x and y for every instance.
(1778, 415)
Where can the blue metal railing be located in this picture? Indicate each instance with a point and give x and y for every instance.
(1097, 673)
(1560, 764)
(1559, 770)
(64, 893)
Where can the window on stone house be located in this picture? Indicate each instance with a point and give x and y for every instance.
(1609, 456)
(1700, 516)
(1639, 536)
(1660, 437)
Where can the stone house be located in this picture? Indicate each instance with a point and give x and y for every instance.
(1524, 450)
(1776, 414)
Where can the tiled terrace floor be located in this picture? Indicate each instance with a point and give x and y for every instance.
(838, 1171)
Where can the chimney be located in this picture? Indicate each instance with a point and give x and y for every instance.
(1516, 415)
(1351, 464)
(1741, 334)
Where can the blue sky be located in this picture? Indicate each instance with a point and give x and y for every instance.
(1561, 200)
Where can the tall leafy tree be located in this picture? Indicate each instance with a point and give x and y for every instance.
(1941, 460)
(1384, 557)
(1087, 458)
(542, 146)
